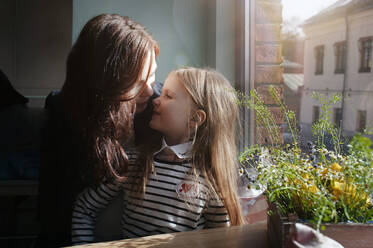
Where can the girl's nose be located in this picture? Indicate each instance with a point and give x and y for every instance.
(156, 101)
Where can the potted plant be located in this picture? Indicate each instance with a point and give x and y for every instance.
(326, 187)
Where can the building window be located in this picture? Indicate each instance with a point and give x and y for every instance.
(340, 57)
(365, 47)
(319, 56)
(337, 117)
(315, 114)
(361, 120)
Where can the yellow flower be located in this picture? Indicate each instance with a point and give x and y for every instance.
(348, 191)
(337, 188)
(306, 176)
(336, 167)
(324, 172)
(304, 195)
(297, 182)
(313, 189)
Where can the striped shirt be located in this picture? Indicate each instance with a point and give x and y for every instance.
(173, 202)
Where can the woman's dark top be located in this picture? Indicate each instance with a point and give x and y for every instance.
(64, 172)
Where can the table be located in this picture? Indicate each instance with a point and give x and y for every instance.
(251, 235)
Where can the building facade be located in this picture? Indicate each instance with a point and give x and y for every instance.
(338, 59)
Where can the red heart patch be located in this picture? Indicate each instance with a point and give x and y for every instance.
(186, 187)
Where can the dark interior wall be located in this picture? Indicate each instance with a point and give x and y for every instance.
(6, 27)
(34, 42)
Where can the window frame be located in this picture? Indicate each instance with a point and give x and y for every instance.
(340, 57)
(365, 54)
(245, 65)
(361, 113)
(315, 117)
(319, 59)
(337, 112)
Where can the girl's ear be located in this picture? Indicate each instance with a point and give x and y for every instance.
(199, 117)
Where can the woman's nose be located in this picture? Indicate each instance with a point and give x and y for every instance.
(148, 91)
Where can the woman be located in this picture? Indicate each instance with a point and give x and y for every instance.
(110, 73)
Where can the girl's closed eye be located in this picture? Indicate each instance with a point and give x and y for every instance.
(167, 94)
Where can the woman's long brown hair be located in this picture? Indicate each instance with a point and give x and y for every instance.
(102, 81)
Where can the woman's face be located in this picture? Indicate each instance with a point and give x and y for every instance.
(150, 64)
(172, 111)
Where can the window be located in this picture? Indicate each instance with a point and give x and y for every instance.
(337, 117)
(365, 47)
(340, 57)
(316, 114)
(361, 120)
(245, 69)
(319, 56)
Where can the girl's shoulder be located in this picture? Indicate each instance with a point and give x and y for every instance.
(183, 169)
(176, 163)
(179, 169)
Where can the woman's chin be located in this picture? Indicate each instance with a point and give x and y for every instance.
(140, 107)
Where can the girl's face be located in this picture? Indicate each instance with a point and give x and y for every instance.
(172, 111)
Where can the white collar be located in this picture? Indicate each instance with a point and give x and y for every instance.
(182, 151)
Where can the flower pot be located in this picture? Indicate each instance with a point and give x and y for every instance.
(351, 235)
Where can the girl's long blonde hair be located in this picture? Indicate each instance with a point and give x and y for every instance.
(214, 152)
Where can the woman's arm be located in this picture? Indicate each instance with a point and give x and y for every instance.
(86, 209)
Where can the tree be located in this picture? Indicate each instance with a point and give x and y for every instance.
(293, 40)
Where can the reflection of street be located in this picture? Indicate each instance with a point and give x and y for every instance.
(293, 85)
(306, 139)
(338, 59)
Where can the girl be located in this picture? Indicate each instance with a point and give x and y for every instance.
(187, 180)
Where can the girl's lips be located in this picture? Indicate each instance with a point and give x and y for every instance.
(155, 112)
